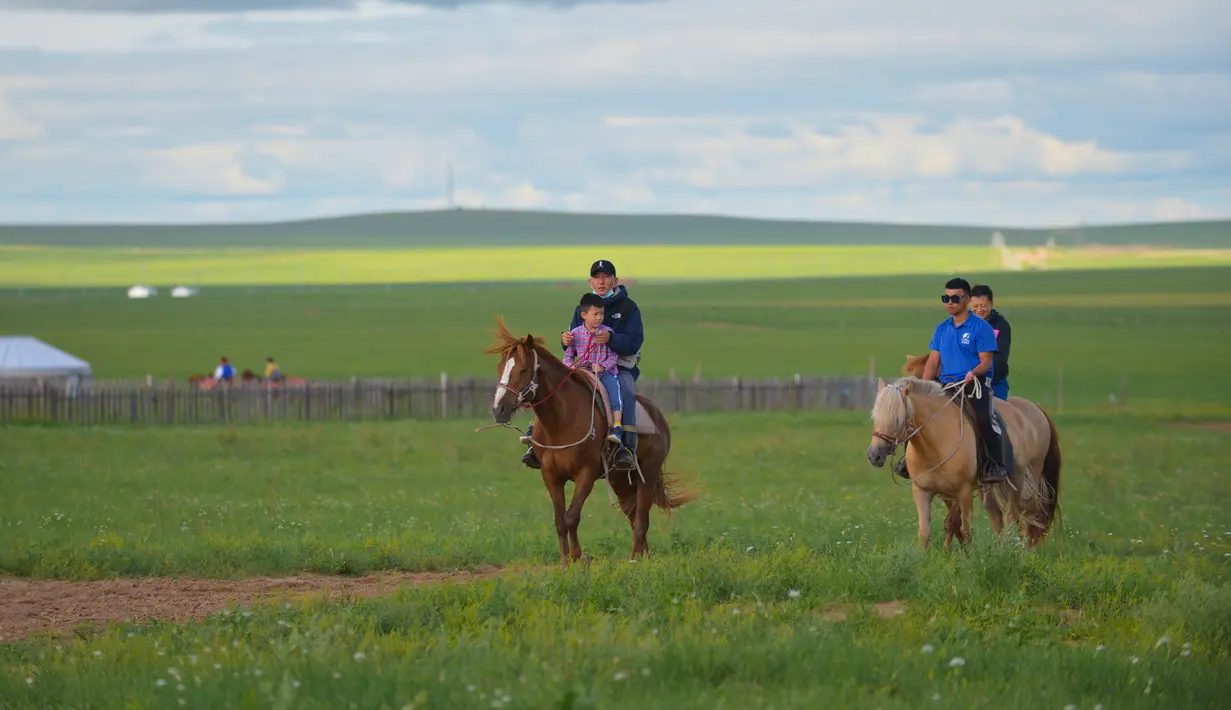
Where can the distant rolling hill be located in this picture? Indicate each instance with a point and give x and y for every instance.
(477, 228)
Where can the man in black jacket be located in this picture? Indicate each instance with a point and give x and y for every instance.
(981, 305)
(623, 316)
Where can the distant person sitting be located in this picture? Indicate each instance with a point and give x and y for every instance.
(272, 371)
(224, 371)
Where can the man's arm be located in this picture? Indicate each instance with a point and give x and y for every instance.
(985, 341)
(629, 342)
(985, 364)
(932, 367)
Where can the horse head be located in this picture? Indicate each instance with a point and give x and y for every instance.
(518, 371)
(891, 415)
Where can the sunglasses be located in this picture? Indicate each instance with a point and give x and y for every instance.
(946, 298)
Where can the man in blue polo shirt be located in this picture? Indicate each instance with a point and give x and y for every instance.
(961, 349)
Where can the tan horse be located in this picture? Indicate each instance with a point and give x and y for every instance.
(943, 459)
(569, 444)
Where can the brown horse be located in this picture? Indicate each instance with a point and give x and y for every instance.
(943, 458)
(570, 417)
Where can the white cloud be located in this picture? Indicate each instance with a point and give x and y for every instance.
(14, 127)
(804, 108)
(216, 169)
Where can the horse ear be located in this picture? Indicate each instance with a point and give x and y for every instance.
(909, 357)
(880, 384)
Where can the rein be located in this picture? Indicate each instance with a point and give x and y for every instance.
(528, 391)
(896, 441)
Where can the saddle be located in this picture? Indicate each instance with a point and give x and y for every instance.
(984, 458)
(645, 425)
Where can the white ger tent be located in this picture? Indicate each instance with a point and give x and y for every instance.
(25, 358)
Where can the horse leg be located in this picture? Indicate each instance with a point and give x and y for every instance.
(953, 522)
(572, 517)
(966, 501)
(994, 513)
(923, 503)
(641, 526)
(555, 487)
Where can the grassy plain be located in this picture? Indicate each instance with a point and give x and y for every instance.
(760, 594)
(28, 266)
(1168, 331)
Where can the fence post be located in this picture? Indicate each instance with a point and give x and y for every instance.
(444, 395)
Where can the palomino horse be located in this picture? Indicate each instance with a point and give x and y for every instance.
(569, 443)
(943, 458)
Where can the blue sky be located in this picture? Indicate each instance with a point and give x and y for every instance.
(956, 111)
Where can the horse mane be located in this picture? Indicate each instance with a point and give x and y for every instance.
(505, 342)
(891, 412)
(915, 364)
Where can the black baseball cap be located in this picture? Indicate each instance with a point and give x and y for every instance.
(601, 265)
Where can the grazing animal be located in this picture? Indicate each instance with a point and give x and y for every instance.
(570, 414)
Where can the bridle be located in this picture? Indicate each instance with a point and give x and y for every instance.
(900, 440)
(531, 387)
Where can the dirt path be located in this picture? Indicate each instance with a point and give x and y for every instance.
(39, 606)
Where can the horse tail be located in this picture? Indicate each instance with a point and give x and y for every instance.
(671, 492)
(1051, 474)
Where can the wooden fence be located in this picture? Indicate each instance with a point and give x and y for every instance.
(108, 402)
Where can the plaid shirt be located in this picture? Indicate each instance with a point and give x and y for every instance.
(588, 351)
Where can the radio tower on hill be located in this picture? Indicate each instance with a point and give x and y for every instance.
(449, 186)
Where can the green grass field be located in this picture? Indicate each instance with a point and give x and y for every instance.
(1165, 330)
(121, 268)
(760, 593)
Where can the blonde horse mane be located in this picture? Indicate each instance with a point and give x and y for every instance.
(891, 412)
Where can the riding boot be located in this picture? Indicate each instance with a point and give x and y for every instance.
(995, 471)
(627, 456)
(528, 458)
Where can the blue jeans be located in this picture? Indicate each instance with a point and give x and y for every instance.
(628, 393)
(611, 383)
(1000, 389)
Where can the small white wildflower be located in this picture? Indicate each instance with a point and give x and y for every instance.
(29, 680)
(957, 662)
(470, 688)
(98, 653)
(336, 675)
(257, 672)
(359, 656)
(1136, 660)
(794, 594)
(180, 687)
(217, 666)
(620, 675)
(160, 682)
(735, 610)
(935, 696)
(645, 671)
(748, 549)
(928, 648)
(1162, 641)
(1100, 647)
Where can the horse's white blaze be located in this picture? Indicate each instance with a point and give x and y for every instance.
(504, 381)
